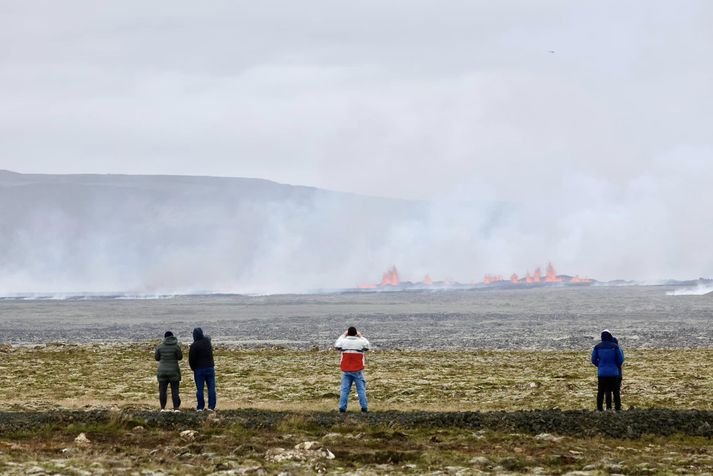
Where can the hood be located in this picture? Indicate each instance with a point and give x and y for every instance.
(606, 335)
(197, 333)
(170, 340)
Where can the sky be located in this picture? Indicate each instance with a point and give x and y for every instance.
(408, 99)
(593, 118)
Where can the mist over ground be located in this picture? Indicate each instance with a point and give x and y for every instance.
(164, 235)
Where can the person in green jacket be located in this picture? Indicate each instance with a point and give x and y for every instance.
(168, 354)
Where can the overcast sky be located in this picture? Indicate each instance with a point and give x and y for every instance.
(509, 100)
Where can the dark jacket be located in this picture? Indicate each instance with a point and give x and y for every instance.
(200, 355)
(168, 354)
(608, 357)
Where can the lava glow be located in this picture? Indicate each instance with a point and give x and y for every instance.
(492, 278)
(552, 275)
(392, 279)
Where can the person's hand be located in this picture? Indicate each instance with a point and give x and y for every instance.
(359, 334)
(345, 333)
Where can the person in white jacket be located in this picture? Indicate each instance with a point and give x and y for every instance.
(353, 347)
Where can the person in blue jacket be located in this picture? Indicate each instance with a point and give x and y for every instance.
(608, 357)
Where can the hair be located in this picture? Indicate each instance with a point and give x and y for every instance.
(351, 331)
(168, 334)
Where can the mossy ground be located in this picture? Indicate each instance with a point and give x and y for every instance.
(303, 384)
(68, 376)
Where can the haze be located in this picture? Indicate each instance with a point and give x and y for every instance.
(577, 132)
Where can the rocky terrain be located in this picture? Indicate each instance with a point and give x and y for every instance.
(234, 442)
(544, 318)
(92, 409)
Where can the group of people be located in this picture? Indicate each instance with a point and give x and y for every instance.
(607, 356)
(200, 359)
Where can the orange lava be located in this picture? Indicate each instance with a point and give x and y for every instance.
(390, 277)
(552, 275)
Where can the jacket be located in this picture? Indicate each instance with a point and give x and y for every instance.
(608, 357)
(353, 349)
(200, 354)
(168, 354)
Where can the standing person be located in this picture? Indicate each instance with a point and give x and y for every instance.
(168, 353)
(200, 358)
(353, 346)
(608, 357)
(621, 370)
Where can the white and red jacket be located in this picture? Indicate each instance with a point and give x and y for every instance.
(353, 349)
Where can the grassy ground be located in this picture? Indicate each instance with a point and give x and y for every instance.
(272, 402)
(79, 376)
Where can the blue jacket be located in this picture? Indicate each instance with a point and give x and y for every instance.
(608, 357)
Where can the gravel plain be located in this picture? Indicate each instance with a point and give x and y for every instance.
(556, 318)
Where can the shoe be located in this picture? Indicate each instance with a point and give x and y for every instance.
(199, 409)
(342, 410)
(164, 410)
(365, 410)
(211, 410)
(176, 410)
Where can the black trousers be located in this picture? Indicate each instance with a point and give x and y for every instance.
(606, 386)
(163, 390)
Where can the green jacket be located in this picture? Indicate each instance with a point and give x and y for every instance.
(168, 354)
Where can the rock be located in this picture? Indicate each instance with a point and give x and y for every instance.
(548, 437)
(188, 435)
(138, 429)
(5, 348)
(253, 469)
(308, 445)
(82, 440)
(35, 470)
(305, 451)
(480, 460)
(456, 470)
(533, 384)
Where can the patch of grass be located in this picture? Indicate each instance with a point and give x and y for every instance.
(67, 377)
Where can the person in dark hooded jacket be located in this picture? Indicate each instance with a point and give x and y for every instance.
(200, 358)
(168, 354)
(608, 357)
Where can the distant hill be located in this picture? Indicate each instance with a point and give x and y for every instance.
(179, 233)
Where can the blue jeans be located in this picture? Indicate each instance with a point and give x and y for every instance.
(204, 377)
(358, 379)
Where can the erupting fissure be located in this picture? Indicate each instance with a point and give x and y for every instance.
(392, 279)
(551, 276)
